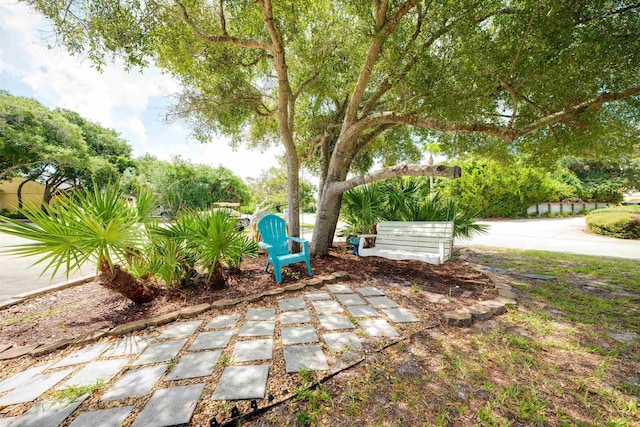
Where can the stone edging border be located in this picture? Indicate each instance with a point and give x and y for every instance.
(183, 313)
(484, 310)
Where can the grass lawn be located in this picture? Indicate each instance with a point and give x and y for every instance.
(569, 355)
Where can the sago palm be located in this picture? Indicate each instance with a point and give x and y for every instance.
(88, 226)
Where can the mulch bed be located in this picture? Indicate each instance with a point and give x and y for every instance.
(76, 311)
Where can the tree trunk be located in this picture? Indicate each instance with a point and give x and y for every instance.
(326, 220)
(125, 284)
(20, 192)
(217, 279)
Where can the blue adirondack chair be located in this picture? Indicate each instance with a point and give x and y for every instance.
(275, 241)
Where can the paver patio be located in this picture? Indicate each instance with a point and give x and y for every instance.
(311, 329)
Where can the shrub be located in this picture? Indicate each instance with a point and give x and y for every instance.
(622, 222)
(13, 215)
(490, 189)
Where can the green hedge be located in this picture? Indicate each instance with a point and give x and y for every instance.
(622, 222)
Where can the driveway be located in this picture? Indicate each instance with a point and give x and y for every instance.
(18, 277)
(554, 235)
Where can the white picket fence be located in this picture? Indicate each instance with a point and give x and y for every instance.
(559, 208)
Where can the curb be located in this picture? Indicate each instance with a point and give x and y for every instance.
(63, 285)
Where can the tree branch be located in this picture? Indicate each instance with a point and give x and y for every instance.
(505, 83)
(505, 133)
(576, 110)
(508, 135)
(404, 169)
(224, 38)
(371, 59)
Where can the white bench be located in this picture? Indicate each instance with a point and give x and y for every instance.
(428, 241)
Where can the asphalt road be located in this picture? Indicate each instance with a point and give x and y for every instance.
(18, 276)
(554, 235)
(549, 234)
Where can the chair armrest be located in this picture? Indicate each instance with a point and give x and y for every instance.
(362, 238)
(297, 239)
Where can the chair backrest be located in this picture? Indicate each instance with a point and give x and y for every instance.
(273, 231)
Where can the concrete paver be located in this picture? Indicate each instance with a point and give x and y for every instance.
(307, 357)
(382, 302)
(99, 370)
(112, 417)
(378, 328)
(291, 317)
(224, 321)
(333, 322)
(327, 307)
(48, 413)
(317, 296)
(400, 315)
(170, 407)
(250, 351)
(299, 335)
(338, 341)
(291, 304)
(266, 313)
(160, 352)
(362, 311)
(211, 340)
(32, 389)
(83, 355)
(20, 378)
(350, 299)
(128, 346)
(370, 291)
(340, 289)
(257, 329)
(195, 365)
(242, 382)
(180, 330)
(134, 383)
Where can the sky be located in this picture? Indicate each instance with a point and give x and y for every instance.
(130, 102)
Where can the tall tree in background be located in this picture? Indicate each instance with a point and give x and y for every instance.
(180, 184)
(343, 83)
(57, 147)
(33, 137)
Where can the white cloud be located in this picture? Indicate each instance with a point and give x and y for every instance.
(119, 99)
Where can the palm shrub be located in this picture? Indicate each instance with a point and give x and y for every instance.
(199, 241)
(88, 226)
(403, 200)
(362, 208)
(436, 208)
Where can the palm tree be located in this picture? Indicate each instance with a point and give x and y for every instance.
(88, 226)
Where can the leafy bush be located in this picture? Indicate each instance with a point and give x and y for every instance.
(490, 189)
(13, 215)
(622, 222)
(598, 180)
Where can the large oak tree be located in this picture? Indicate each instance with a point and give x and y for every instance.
(341, 84)
(56, 147)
